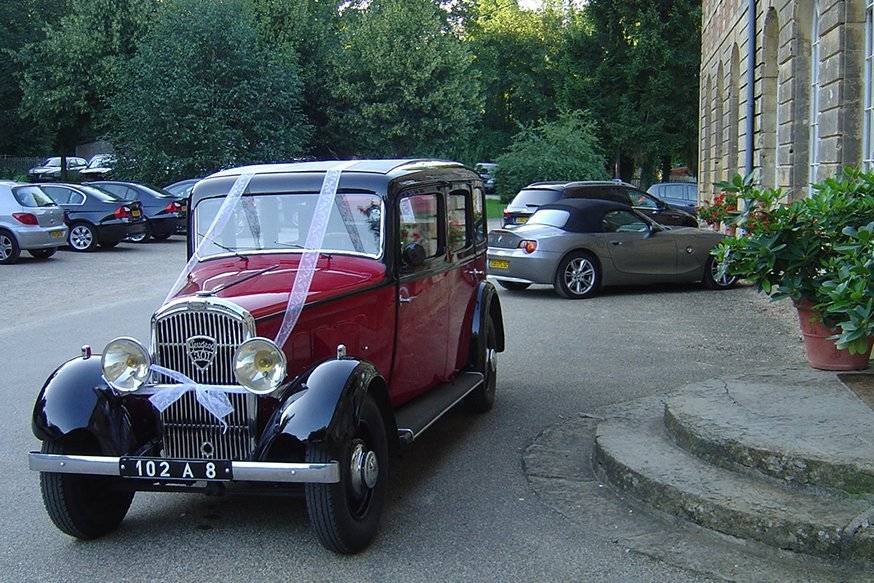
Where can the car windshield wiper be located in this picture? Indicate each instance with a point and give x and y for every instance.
(226, 248)
(242, 279)
(299, 246)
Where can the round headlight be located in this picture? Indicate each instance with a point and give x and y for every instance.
(259, 365)
(125, 364)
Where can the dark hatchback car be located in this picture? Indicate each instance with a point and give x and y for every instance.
(96, 217)
(539, 194)
(165, 213)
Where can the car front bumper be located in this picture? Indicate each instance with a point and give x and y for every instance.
(41, 237)
(323, 473)
(537, 267)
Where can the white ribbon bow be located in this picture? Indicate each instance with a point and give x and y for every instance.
(214, 399)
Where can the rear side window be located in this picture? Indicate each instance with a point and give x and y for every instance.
(457, 228)
(605, 192)
(119, 190)
(532, 198)
(691, 193)
(420, 222)
(479, 216)
(32, 197)
(552, 217)
(640, 199)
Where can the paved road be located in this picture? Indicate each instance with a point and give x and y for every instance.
(460, 507)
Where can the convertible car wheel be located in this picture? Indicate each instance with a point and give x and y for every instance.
(482, 399)
(578, 276)
(82, 506)
(346, 515)
(712, 279)
(513, 285)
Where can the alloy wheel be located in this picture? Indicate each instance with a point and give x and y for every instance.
(725, 280)
(5, 247)
(579, 276)
(81, 237)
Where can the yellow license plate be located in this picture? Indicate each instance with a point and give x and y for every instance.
(57, 234)
(135, 213)
(521, 220)
(499, 264)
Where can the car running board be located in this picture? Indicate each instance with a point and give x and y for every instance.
(418, 415)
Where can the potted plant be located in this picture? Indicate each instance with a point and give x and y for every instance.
(814, 252)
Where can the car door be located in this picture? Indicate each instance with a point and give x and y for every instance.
(423, 296)
(636, 250)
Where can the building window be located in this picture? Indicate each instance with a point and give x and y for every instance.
(868, 133)
(814, 96)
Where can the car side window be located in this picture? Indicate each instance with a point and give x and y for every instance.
(76, 197)
(479, 216)
(457, 214)
(420, 222)
(641, 200)
(692, 193)
(58, 194)
(623, 222)
(116, 189)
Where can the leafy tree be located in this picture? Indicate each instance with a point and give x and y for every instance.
(201, 94)
(402, 84)
(68, 75)
(564, 149)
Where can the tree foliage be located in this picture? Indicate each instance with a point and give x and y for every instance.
(565, 149)
(201, 94)
(402, 85)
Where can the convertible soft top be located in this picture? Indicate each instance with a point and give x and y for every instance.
(586, 215)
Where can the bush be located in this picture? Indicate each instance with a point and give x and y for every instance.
(202, 94)
(564, 149)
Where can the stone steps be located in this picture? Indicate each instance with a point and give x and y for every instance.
(639, 456)
(811, 430)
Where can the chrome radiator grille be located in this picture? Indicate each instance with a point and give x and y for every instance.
(199, 340)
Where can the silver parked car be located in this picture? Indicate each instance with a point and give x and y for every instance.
(580, 245)
(29, 221)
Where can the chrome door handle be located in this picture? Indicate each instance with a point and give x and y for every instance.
(406, 299)
(476, 272)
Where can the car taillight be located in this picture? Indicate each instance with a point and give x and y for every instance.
(173, 207)
(25, 218)
(528, 246)
(122, 212)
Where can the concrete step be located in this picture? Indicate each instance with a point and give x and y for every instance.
(804, 427)
(640, 458)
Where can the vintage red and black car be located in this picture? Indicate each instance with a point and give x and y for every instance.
(399, 325)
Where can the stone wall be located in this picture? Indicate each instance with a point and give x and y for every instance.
(783, 90)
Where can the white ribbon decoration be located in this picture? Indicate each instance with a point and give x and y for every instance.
(213, 398)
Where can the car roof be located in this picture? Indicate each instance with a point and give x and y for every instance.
(586, 214)
(385, 167)
(565, 184)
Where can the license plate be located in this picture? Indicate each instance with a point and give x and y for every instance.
(135, 213)
(521, 220)
(161, 469)
(57, 234)
(499, 264)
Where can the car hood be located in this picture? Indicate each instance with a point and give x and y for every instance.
(44, 169)
(266, 294)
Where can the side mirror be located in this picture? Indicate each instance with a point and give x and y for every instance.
(413, 254)
(651, 230)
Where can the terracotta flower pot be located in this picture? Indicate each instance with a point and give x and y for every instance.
(821, 350)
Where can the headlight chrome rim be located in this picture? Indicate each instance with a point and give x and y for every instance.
(272, 379)
(133, 380)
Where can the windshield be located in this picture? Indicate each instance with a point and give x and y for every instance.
(552, 217)
(99, 194)
(280, 222)
(32, 196)
(532, 198)
(98, 161)
(51, 162)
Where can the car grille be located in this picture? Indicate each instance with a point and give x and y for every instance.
(189, 430)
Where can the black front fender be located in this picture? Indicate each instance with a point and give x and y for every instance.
(322, 405)
(76, 398)
(488, 304)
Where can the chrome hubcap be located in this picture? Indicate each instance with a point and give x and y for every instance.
(364, 469)
(5, 247)
(724, 281)
(579, 276)
(81, 237)
(492, 359)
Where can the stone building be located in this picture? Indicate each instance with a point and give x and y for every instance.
(811, 96)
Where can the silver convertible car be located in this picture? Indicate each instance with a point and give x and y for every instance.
(578, 246)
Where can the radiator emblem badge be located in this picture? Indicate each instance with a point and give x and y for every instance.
(201, 351)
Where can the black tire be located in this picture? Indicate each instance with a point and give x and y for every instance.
(482, 399)
(42, 253)
(9, 249)
(82, 237)
(83, 507)
(513, 285)
(109, 244)
(710, 280)
(344, 515)
(584, 282)
(162, 236)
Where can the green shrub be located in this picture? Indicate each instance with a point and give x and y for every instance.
(564, 149)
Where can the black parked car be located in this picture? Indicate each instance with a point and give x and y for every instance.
(49, 170)
(165, 213)
(538, 194)
(182, 188)
(99, 167)
(96, 217)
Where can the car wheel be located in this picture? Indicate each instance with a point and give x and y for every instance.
(9, 250)
(42, 253)
(513, 285)
(712, 279)
(578, 276)
(482, 398)
(109, 244)
(82, 237)
(162, 237)
(346, 515)
(140, 237)
(82, 506)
